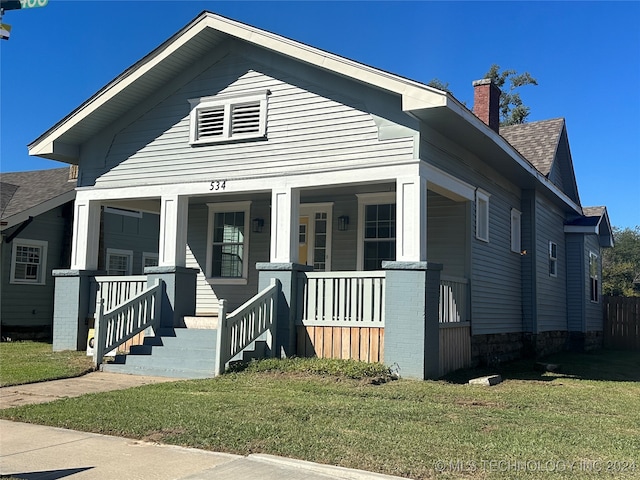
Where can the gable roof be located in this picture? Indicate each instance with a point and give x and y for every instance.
(537, 141)
(440, 110)
(594, 221)
(28, 194)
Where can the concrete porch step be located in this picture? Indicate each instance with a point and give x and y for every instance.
(202, 322)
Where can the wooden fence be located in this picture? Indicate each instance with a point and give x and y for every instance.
(621, 322)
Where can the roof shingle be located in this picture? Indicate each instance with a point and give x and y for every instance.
(536, 141)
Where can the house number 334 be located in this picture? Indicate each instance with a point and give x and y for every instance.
(218, 185)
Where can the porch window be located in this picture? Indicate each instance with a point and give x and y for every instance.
(553, 259)
(379, 235)
(482, 215)
(29, 260)
(149, 260)
(228, 117)
(119, 262)
(594, 277)
(516, 231)
(228, 242)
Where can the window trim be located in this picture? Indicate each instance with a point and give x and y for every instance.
(224, 207)
(553, 259)
(516, 230)
(596, 278)
(148, 255)
(123, 253)
(42, 272)
(482, 217)
(365, 199)
(227, 101)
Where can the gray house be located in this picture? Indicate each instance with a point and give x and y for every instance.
(36, 231)
(325, 207)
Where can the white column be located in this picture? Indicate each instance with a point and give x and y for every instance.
(285, 220)
(411, 219)
(174, 214)
(86, 234)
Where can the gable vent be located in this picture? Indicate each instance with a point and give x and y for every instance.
(245, 118)
(211, 122)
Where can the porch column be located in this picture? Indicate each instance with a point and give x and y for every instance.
(285, 213)
(172, 250)
(411, 219)
(86, 234)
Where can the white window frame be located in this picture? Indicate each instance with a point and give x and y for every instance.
(310, 210)
(149, 256)
(42, 270)
(365, 199)
(227, 102)
(516, 230)
(482, 215)
(553, 259)
(121, 253)
(225, 207)
(595, 257)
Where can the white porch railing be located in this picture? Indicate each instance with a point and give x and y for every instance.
(347, 299)
(244, 325)
(454, 299)
(114, 327)
(116, 290)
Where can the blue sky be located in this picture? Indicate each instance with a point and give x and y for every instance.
(585, 56)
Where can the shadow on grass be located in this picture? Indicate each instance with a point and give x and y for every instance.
(602, 365)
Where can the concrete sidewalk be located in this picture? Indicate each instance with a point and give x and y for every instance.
(35, 452)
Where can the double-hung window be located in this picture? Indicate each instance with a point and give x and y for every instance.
(228, 242)
(377, 229)
(29, 261)
(553, 259)
(482, 215)
(119, 262)
(224, 118)
(594, 277)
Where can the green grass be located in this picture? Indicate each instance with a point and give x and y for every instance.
(29, 362)
(573, 422)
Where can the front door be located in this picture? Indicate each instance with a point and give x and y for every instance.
(315, 236)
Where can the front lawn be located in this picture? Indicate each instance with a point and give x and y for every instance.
(28, 362)
(576, 424)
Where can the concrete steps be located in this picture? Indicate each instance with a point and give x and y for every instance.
(173, 352)
(179, 353)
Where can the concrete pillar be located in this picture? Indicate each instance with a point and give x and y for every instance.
(412, 330)
(86, 234)
(287, 274)
(174, 215)
(179, 299)
(285, 221)
(72, 300)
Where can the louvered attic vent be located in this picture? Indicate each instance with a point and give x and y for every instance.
(228, 118)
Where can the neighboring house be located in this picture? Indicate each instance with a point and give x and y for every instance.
(267, 158)
(36, 225)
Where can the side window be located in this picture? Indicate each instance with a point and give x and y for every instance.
(553, 259)
(594, 277)
(516, 229)
(482, 215)
(28, 261)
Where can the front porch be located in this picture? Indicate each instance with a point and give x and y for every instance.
(345, 257)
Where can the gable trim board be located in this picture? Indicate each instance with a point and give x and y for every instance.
(425, 103)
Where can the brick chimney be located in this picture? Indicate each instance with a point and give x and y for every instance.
(486, 103)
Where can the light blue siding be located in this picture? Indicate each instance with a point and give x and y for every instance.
(308, 129)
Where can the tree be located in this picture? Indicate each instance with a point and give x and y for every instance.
(621, 264)
(512, 110)
(440, 85)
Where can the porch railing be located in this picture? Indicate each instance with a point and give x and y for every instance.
(117, 325)
(116, 290)
(348, 299)
(237, 330)
(454, 299)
